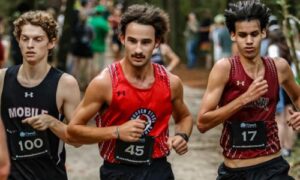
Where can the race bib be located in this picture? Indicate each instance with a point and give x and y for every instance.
(28, 144)
(248, 135)
(135, 153)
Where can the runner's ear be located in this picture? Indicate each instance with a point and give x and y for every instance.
(232, 36)
(264, 33)
(122, 39)
(51, 43)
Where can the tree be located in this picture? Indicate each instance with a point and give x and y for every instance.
(289, 33)
(64, 42)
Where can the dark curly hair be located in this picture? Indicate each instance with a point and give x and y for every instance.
(245, 11)
(37, 18)
(147, 15)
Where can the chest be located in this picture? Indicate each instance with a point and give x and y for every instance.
(128, 97)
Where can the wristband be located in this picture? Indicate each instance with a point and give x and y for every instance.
(117, 132)
(183, 135)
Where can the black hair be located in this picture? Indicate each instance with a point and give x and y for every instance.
(246, 11)
(147, 15)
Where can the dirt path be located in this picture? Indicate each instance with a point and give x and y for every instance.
(199, 163)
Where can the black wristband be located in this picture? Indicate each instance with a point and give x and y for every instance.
(183, 135)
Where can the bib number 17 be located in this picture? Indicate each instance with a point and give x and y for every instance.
(248, 135)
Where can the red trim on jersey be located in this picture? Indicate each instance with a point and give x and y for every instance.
(238, 83)
(154, 104)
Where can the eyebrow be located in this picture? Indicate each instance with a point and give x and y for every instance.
(34, 36)
(247, 32)
(132, 38)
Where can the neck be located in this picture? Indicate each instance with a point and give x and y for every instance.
(34, 71)
(141, 77)
(253, 67)
(31, 75)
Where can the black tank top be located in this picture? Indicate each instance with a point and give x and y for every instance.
(35, 155)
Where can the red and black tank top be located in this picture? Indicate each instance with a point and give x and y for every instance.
(262, 109)
(128, 102)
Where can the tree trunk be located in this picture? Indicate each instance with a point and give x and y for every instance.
(175, 31)
(65, 38)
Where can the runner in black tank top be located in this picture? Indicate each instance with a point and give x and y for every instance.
(35, 97)
(42, 151)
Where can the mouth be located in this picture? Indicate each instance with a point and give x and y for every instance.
(138, 58)
(249, 49)
(30, 53)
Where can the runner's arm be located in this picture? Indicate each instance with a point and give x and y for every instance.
(182, 117)
(98, 93)
(69, 95)
(287, 80)
(93, 100)
(210, 115)
(171, 56)
(4, 156)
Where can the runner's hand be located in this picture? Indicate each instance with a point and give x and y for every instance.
(178, 144)
(132, 130)
(40, 122)
(294, 120)
(257, 88)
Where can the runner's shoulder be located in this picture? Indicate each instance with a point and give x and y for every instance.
(222, 65)
(102, 80)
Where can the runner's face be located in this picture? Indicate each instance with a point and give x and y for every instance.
(139, 42)
(34, 44)
(248, 36)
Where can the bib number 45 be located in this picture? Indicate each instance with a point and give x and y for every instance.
(135, 150)
(139, 152)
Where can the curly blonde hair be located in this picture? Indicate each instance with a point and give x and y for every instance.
(37, 18)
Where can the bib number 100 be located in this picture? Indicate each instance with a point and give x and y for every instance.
(30, 144)
(135, 150)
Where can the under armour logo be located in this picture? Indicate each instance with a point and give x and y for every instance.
(121, 93)
(28, 94)
(240, 83)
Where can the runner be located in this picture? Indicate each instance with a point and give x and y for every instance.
(35, 98)
(242, 94)
(164, 55)
(135, 100)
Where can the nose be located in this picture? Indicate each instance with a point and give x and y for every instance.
(30, 43)
(249, 39)
(138, 48)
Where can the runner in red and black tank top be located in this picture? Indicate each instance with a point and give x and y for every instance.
(263, 109)
(129, 102)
